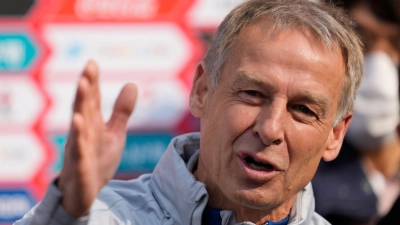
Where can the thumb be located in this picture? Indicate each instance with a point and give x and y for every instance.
(123, 108)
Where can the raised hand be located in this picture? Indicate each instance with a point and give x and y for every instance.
(94, 147)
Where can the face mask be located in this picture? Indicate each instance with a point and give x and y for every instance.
(376, 108)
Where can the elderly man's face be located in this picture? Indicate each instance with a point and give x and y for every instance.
(269, 121)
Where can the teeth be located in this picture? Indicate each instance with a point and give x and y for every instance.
(252, 165)
(257, 165)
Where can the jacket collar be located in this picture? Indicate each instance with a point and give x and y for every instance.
(172, 183)
(303, 209)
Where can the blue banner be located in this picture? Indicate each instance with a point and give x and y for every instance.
(17, 52)
(141, 153)
(14, 204)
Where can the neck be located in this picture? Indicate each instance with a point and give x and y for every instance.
(259, 216)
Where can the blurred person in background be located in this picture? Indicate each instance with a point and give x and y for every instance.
(362, 184)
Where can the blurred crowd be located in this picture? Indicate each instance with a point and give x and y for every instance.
(362, 186)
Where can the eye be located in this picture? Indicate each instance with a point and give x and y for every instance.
(253, 93)
(305, 110)
(252, 97)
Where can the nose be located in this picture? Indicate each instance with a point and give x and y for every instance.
(270, 122)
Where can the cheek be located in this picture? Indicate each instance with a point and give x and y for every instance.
(305, 152)
(307, 142)
(241, 117)
(301, 172)
(229, 120)
(221, 130)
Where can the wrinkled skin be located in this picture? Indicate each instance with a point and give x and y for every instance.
(275, 103)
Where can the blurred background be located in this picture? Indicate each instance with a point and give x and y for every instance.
(44, 45)
(362, 185)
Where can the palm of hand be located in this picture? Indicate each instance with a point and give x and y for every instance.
(94, 148)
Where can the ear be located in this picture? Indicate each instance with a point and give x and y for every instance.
(335, 139)
(201, 89)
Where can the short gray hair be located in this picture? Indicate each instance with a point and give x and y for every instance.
(327, 22)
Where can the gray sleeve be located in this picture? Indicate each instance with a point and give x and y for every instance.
(50, 212)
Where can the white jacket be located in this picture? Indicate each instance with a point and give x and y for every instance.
(170, 195)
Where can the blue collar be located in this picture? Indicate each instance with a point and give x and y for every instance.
(212, 216)
(282, 222)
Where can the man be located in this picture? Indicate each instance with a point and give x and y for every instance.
(274, 95)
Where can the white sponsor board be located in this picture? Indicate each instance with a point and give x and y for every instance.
(20, 102)
(160, 105)
(139, 49)
(210, 13)
(21, 156)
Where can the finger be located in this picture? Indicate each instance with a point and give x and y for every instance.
(92, 73)
(82, 117)
(81, 94)
(88, 85)
(75, 127)
(76, 136)
(123, 108)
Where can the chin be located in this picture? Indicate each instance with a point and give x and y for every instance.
(254, 199)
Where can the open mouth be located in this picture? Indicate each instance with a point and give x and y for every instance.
(256, 165)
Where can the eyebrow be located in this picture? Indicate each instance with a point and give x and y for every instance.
(249, 77)
(322, 102)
